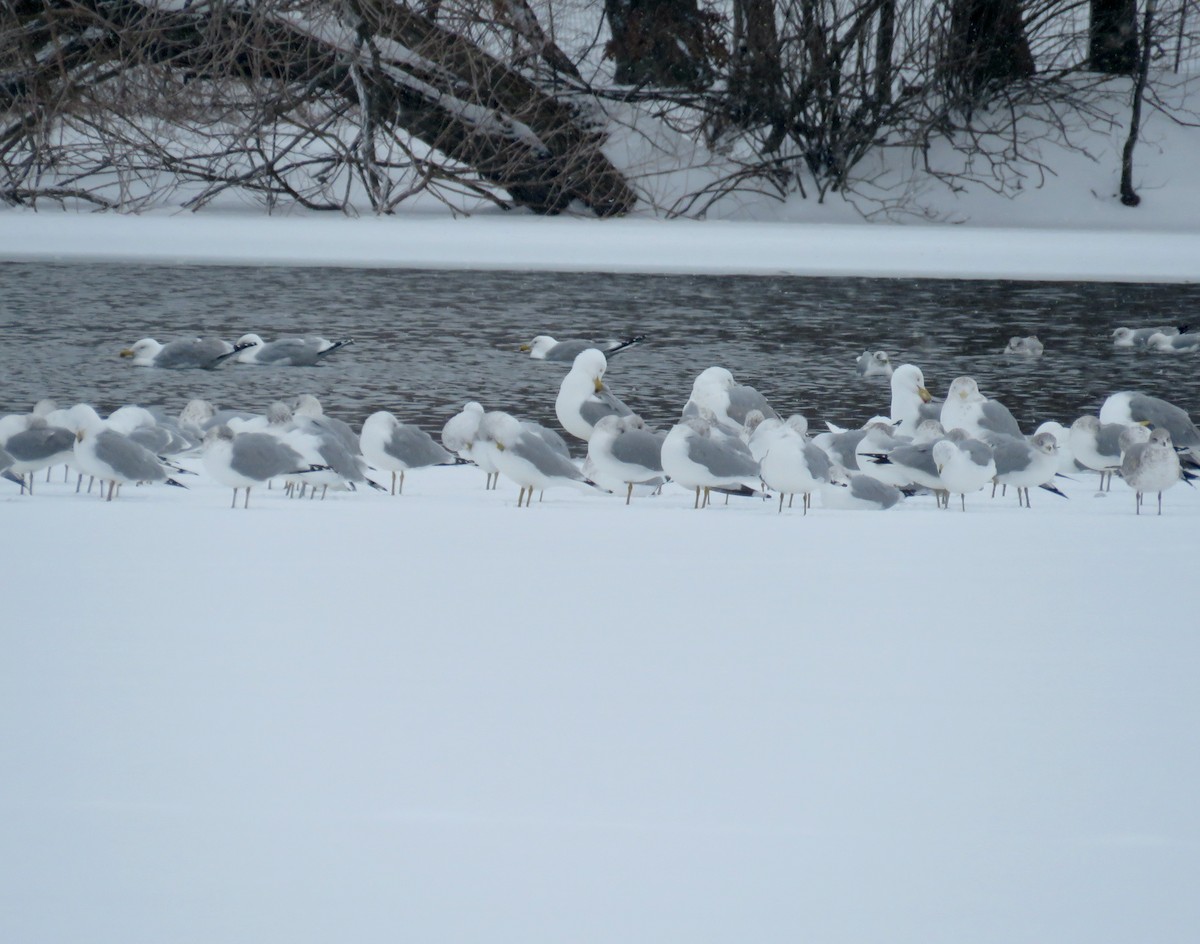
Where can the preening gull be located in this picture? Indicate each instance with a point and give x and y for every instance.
(1173, 343)
(524, 456)
(622, 450)
(583, 398)
(1152, 466)
(696, 456)
(546, 348)
(968, 409)
(1132, 408)
(199, 353)
(398, 447)
(460, 435)
(873, 364)
(1097, 446)
(286, 352)
(911, 402)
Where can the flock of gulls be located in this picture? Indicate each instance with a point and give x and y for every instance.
(728, 439)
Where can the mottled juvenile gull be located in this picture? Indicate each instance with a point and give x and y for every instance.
(873, 364)
(1152, 466)
(1025, 347)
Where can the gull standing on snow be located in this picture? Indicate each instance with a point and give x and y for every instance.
(243, 460)
(286, 352)
(38, 446)
(1097, 446)
(964, 465)
(398, 447)
(583, 398)
(696, 455)
(113, 457)
(623, 450)
(1022, 463)
(460, 435)
(793, 464)
(1152, 466)
(969, 410)
(545, 348)
(524, 456)
(199, 353)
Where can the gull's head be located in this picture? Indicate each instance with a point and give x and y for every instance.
(1122, 335)
(279, 414)
(1131, 436)
(1087, 424)
(307, 405)
(539, 346)
(1045, 442)
(249, 340)
(218, 433)
(964, 389)
(928, 431)
(908, 378)
(797, 423)
(500, 428)
(145, 348)
(943, 452)
(1161, 438)
(591, 364)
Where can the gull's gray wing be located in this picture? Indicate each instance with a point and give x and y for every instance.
(994, 417)
(1108, 440)
(415, 447)
(1163, 415)
(873, 490)
(743, 399)
(1011, 454)
(722, 459)
(288, 352)
(128, 459)
(817, 461)
(915, 457)
(260, 456)
(197, 352)
(640, 447)
(33, 445)
(600, 405)
(534, 450)
(568, 350)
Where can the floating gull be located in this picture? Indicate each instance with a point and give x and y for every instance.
(696, 456)
(1173, 343)
(398, 447)
(1132, 408)
(524, 456)
(286, 352)
(969, 410)
(622, 450)
(1022, 463)
(1025, 347)
(545, 348)
(583, 398)
(201, 353)
(1152, 466)
(1137, 337)
(873, 364)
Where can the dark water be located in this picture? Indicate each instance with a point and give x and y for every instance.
(425, 342)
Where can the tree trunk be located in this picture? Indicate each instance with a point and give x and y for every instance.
(1112, 37)
(987, 46)
(755, 72)
(1129, 196)
(662, 43)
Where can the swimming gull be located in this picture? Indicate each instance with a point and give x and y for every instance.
(1152, 466)
(622, 450)
(583, 398)
(394, 446)
(1137, 337)
(873, 364)
(1173, 343)
(969, 410)
(546, 348)
(286, 352)
(696, 455)
(1025, 347)
(199, 353)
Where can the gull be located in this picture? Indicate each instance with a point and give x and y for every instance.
(910, 463)
(243, 460)
(1132, 409)
(1151, 466)
(113, 457)
(851, 492)
(1025, 347)
(1097, 446)
(1062, 435)
(583, 398)
(286, 352)
(623, 450)
(696, 455)
(459, 435)
(546, 348)
(873, 364)
(964, 464)
(398, 447)
(38, 446)
(321, 443)
(1173, 343)
(715, 392)
(969, 410)
(1137, 337)
(306, 405)
(794, 465)
(911, 402)
(202, 353)
(1022, 463)
(524, 456)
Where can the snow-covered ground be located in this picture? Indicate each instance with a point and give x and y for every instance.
(437, 717)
